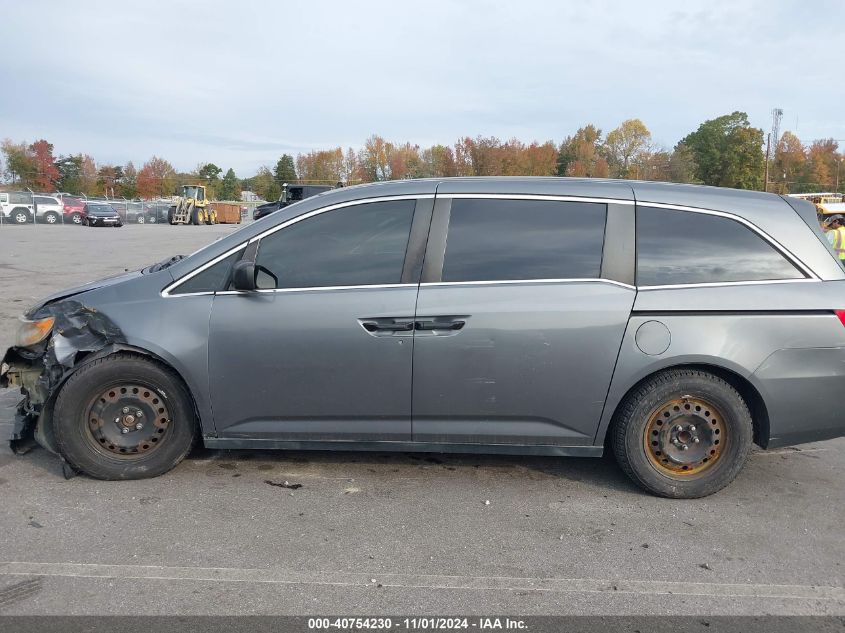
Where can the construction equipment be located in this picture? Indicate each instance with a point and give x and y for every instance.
(191, 207)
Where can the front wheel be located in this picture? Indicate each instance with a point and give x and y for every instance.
(124, 417)
(683, 434)
(51, 218)
(76, 218)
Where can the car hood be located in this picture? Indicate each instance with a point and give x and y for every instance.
(91, 285)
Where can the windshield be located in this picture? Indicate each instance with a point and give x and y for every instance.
(100, 208)
(193, 192)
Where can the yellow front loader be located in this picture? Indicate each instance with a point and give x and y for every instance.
(192, 207)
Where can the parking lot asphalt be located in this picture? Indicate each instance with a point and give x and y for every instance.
(375, 533)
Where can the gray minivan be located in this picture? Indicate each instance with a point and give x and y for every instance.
(674, 324)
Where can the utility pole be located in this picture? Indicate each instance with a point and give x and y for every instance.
(772, 141)
(768, 147)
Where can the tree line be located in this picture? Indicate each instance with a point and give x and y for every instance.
(726, 151)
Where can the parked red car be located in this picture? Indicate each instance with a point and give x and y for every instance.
(74, 208)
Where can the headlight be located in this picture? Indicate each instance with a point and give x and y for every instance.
(33, 332)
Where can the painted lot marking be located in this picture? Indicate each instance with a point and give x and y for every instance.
(500, 583)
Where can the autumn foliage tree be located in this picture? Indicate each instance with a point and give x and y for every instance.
(156, 178)
(46, 175)
(725, 151)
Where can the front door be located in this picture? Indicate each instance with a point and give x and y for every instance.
(327, 355)
(518, 330)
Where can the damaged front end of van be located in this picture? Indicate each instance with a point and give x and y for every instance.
(50, 342)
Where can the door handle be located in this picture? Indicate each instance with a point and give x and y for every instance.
(434, 325)
(376, 326)
(388, 326)
(445, 325)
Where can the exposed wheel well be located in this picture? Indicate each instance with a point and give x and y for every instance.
(45, 421)
(752, 397)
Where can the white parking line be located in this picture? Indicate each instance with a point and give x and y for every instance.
(500, 583)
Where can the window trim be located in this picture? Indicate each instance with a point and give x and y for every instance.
(167, 290)
(809, 274)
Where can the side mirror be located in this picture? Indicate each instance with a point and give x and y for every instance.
(243, 275)
(249, 276)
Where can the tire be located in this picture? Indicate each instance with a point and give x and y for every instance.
(118, 225)
(51, 218)
(682, 434)
(140, 219)
(76, 218)
(170, 213)
(152, 219)
(20, 216)
(89, 418)
(196, 217)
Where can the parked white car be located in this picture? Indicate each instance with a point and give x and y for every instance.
(19, 207)
(48, 210)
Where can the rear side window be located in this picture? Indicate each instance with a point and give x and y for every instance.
(490, 240)
(359, 245)
(684, 247)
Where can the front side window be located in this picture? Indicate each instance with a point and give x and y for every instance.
(684, 247)
(490, 240)
(358, 245)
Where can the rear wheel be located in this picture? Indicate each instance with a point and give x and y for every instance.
(683, 434)
(197, 217)
(124, 417)
(76, 218)
(20, 216)
(140, 219)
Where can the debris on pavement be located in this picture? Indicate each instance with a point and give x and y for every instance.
(285, 484)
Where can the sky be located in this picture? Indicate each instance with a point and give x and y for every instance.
(239, 83)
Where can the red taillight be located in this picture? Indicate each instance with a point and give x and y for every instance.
(840, 314)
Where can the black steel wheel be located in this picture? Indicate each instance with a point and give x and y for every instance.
(124, 417)
(683, 433)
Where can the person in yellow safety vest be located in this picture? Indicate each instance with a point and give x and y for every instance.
(835, 232)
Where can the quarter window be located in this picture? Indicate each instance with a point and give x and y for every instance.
(684, 247)
(491, 240)
(212, 279)
(359, 245)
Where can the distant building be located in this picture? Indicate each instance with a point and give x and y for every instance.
(249, 196)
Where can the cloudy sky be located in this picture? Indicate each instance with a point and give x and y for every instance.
(240, 82)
